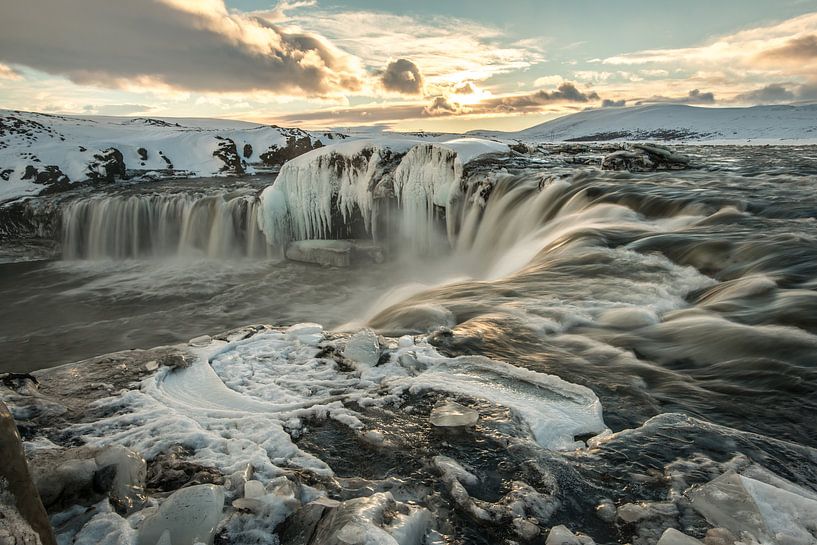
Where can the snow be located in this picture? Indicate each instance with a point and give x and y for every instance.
(238, 402)
(71, 143)
(756, 125)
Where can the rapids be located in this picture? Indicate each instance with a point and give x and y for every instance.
(533, 289)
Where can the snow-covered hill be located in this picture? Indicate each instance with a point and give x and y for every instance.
(678, 123)
(46, 152)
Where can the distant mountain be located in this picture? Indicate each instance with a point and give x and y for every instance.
(41, 152)
(677, 123)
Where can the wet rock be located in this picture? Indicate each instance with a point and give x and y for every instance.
(300, 528)
(171, 470)
(451, 414)
(644, 158)
(228, 153)
(175, 361)
(20, 502)
(188, 516)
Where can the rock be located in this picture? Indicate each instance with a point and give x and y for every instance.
(109, 165)
(171, 470)
(143, 154)
(247, 151)
(175, 361)
(227, 152)
(190, 515)
(297, 144)
(644, 158)
(606, 511)
(17, 487)
(671, 536)
(450, 414)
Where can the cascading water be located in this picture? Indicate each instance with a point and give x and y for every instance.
(151, 226)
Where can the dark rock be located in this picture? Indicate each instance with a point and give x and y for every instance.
(247, 151)
(296, 145)
(16, 481)
(170, 471)
(6, 174)
(645, 158)
(175, 361)
(228, 153)
(110, 165)
(143, 154)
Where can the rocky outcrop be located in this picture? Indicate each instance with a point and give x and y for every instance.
(645, 158)
(107, 166)
(228, 153)
(17, 488)
(296, 145)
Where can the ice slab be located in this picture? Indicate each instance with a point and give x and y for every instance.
(451, 414)
(188, 516)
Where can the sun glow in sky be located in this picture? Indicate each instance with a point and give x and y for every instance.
(450, 65)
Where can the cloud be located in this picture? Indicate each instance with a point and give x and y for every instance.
(402, 76)
(776, 93)
(768, 94)
(117, 109)
(449, 49)
(195, 45)
(441, 106)
(695, 96)
(799, 49)
(792, 43)
(608, 103)
(7, 72)
(566, 92)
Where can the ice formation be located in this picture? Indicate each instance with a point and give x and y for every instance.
(189, 516)
(318, 194)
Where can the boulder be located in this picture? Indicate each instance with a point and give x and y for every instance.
(17, 488)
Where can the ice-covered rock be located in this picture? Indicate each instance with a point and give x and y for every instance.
(340, 191)
(451, 414)
(188, 516)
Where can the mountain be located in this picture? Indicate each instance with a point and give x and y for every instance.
(41, 152)
(677, 123)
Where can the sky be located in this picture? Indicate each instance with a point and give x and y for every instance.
(440, 65)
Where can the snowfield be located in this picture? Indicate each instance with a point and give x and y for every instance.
(38, 151)
(678, 123)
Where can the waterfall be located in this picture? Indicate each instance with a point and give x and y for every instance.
(153, 226)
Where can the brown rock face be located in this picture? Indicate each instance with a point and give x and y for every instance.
(14, 475)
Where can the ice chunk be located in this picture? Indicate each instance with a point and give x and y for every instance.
(328, 253)
(560, 535)
(765, 512)
(202, 340)
(451, 414)
(127, 489)
(671, 536)
(363, 347)
(189, 515)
